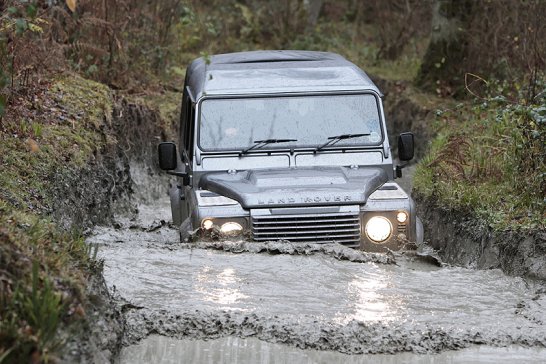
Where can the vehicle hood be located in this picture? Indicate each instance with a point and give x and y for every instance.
(308, 186)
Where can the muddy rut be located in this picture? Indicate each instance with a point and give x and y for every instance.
(211, 298)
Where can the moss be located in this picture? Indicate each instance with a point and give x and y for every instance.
(83, 101)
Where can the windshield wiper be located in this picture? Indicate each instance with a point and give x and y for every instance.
(335, 139)
(263, 143)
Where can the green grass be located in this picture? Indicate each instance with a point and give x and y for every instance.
(489, 160)
(43, 283)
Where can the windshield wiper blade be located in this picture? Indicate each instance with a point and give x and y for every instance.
(335, 139)
(263, 143)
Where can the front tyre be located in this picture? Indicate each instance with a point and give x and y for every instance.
(186, 230)
(176, 204)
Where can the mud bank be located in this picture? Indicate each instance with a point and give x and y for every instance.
(308, 332)
(284, 247)
(466, 241)
(85, 197)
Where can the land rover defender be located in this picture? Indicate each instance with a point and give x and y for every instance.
(288, 145)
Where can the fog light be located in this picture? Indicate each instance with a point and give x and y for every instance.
(207, 224)
(378, 229)
(402, 216)
(231, 228)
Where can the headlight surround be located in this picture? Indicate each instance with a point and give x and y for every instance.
(226, 225)
(378, 229)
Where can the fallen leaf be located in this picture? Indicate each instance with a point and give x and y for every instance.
(71, 5)
(32, 145)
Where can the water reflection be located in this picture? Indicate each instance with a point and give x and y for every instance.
(219, 287)
(372, 296)
(370, 304)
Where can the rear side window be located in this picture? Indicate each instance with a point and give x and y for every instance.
(186, 125)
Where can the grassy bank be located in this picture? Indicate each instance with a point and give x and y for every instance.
(55, 145)
(489, 161)
(45, 268)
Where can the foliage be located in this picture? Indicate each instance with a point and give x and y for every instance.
(490, 160)
(33, 305)
(486, 39)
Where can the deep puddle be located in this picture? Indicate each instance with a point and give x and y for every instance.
(281, 304)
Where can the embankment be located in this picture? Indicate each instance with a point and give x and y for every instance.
(467, 241)
(461, 238)
(106, 186)
(67, 155)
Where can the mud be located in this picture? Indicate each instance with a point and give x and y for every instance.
(160, 349)
(109, 185)
(309, 297)
(468, 242)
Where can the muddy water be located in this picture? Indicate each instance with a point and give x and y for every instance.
(160, 349)
(227, 301)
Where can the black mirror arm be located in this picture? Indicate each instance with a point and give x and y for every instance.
(185, 176)
(177, 173)
(398, 170)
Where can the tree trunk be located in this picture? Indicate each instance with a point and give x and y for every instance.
(443, 63)
(313, 12)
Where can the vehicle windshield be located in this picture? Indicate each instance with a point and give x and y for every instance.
(236, 123)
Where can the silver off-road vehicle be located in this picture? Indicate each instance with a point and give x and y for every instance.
(288, 145)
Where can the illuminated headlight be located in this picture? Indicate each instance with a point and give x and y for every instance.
(231, 228)
(402, 216)
(207, 224)
(378, 229)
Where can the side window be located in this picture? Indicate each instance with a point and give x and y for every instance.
(183, 122)
(189, 129)
(186, 125)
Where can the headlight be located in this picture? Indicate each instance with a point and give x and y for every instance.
(378, 229)
(231, 228)
(207, 224)
(402, 216)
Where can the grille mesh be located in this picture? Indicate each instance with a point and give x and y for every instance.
(341, 228)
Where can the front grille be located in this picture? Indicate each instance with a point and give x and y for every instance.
(343, 228)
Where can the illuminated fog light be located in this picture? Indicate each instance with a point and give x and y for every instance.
(378, 229)
(231, 228)
(402, 216)
(207, 224)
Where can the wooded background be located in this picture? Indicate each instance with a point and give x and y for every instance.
(140, 45)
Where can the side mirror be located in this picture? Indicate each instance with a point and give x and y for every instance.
(167, 156)
(405, 146)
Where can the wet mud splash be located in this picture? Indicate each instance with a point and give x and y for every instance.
(309, 296)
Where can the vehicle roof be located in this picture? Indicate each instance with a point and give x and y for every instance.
(282, 71)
